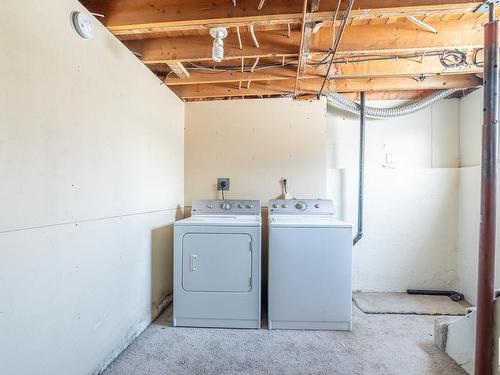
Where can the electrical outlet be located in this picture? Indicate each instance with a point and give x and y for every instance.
(220, 180)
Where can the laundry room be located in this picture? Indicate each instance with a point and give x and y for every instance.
(248, 187)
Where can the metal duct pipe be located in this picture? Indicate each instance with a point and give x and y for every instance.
(485, 361)
(361, 181)
(347, 104)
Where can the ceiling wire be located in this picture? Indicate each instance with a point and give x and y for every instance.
(333, 34)
(337, 43)
(334, 22)
(447, 58)
(479, 64)
(340, 60)
(453, 59)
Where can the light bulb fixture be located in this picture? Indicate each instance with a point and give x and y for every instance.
(218, 33)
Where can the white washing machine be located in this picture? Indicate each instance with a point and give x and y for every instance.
(310, 266)
(217, 263)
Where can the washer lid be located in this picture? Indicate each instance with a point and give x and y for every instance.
(307, 221)
(222, 220)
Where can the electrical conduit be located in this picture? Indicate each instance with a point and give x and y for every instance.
(361, 186)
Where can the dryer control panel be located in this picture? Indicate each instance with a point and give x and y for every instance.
(226, 207)
(301, 207)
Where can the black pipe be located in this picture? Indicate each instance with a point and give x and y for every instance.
(361, 182)
(455, 296)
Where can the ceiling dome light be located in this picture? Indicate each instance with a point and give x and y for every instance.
(218, 33)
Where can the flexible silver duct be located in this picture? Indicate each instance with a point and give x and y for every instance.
(346, 104)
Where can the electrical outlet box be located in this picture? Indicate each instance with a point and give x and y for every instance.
(220, 180)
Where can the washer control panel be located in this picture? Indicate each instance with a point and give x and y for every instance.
(226, 207)
(301, 206)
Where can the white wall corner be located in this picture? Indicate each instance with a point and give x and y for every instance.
(457, 338)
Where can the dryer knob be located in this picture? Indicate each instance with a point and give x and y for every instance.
(300, 205)
(210, 205)
(249, 205)
(241, 205)
(275, 205)
(316, 205)
(225, 206)
(284, 205)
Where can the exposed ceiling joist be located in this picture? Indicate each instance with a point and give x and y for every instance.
(372, 95)
(305, 40)
(307, 32)
(312, 86)
(124, 17)
(391, 38)
(386, 68)
(179, 69)
(282, 46)
(391, 95)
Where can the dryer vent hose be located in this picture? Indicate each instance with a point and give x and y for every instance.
(340, 101)
(349, 105)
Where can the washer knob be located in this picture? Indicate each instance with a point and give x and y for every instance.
(284, 205)
(275, 205)
(316, 205)
(225, 206)
(249, 205)
(241, 205)
(210, 205)
(300, 205)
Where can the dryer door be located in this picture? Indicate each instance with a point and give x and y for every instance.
(217, 262)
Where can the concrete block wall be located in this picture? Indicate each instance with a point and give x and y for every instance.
(91, 171)
(411, 195)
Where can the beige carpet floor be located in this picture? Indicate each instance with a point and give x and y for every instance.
(378, 344)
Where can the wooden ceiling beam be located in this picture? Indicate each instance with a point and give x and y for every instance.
(391, 95)
(403, 95)
(199, 48)
(305, 39)
(311, 86)
(372, 95)
(124, 17)
(307, 30)
(390, 38)
(179, 69)
(385, 68)
(273, 74)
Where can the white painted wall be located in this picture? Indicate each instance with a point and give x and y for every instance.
(409, 229)
(469, 197)
(91, 165)
(461, 340)
(411, 208)
(255, 143)
(426, 139)
(471, 119)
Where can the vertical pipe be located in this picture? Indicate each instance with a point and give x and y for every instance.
(361, 182)
(486, 262)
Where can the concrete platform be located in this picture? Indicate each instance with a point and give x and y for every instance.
(378, 344)
(403, 303)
